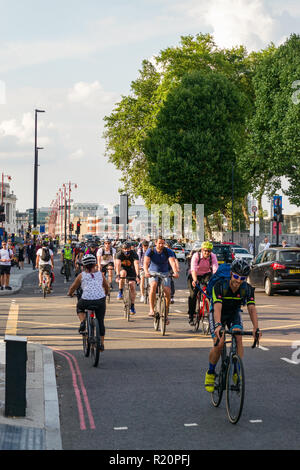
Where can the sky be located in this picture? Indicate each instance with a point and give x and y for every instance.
(76, 59)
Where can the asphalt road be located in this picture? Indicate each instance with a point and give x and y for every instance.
(148, 393)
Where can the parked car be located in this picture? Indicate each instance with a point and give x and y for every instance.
(223, 253)
(276, 269)
(179, 252)
(242, 253)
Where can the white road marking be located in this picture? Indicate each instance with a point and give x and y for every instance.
(189, 425)
(256, 421)
(263, 348)
(124, 428)
(289, 360)
(12, 320)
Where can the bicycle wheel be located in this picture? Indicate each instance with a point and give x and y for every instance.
(146, 291)
(205, 318)
(197, 315)
(67, 272)
(95, 341)
(217, 394)
(163, 314)
(126, 299)
(44, 286)
(235, 388)
(85, 339)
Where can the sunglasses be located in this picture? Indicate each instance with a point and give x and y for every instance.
(206, 251)
(236, 276)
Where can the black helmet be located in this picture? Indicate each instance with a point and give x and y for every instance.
(240, 267)
(126, 246)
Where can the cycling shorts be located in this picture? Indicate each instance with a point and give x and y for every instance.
(231, 322)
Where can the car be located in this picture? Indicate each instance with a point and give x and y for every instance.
(179, 251)
(242, 253)
(276, 269)
(223, 253)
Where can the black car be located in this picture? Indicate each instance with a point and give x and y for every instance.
(276, 269)
(223, 253)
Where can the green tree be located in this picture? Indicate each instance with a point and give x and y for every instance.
(198, 135)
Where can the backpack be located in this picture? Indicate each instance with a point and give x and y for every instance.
(224, 273)
(45, 254)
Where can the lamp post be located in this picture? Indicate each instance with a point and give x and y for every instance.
(36, 149)
(69, 184)
(232, 200)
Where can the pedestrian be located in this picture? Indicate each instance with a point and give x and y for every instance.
(6, 256)
(264, 245)
(21, 256)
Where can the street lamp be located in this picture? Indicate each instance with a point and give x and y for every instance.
(36, 149)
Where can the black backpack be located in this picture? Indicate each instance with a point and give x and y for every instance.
(45, 254)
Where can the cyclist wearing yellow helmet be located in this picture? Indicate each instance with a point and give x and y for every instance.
(204, 264)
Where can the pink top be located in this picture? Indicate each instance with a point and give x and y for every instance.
(201, 265)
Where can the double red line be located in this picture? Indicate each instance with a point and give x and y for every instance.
(79, 390)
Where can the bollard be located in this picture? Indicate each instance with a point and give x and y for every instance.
(15, 375)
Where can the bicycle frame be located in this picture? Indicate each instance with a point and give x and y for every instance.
(160, 317)
(91, 337)
(127, 296)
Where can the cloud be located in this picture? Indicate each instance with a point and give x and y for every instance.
(77, 155)
(23, 130)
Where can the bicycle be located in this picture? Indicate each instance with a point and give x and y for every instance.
(45, 290)
(201, 316)
(91, 337)
(127, 297)
(105, 271)
(146, 289)
(66, 269)
(230, 376)
(160, 313)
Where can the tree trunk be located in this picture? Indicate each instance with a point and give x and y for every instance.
(207, 227)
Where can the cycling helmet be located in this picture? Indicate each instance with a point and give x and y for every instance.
(207, 246)
(126, 246)
(240, 267)
(88, 259)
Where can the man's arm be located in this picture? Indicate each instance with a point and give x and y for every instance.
(147, 260)
(174, 267)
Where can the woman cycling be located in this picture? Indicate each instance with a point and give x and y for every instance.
(94, 289)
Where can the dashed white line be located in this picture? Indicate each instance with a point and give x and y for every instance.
(124, 428)
(254, 421)
(189, 425)
(263, 348)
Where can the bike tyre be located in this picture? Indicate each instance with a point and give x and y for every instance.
(163, 315)
(95, 342)
(239, 388)
(217, 394)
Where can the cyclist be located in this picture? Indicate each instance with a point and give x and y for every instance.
(141, 254)
(228, 295)
(203, 265)
(157, 259)
(94, 289)
(127, 265)
(106, 260)
(44, 262)
(67, 257)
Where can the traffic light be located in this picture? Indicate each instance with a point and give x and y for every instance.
(78, 227)
(278, 217)
(71, 227)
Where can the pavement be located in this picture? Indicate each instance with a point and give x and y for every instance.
(39, 429)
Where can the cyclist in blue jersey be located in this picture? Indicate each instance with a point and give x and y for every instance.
(157, 259)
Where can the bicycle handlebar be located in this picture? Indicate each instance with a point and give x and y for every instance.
(241, 333)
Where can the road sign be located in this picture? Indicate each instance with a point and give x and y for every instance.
(35, 231)
(254, 209)
(42, 228)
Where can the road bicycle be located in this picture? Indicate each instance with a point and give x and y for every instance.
(127, 297)
(201, 317)
(66, 269)
(160, 309)
(230, 376)
(45, 290)
(146, 289)
(105, 271)
(91, 337)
